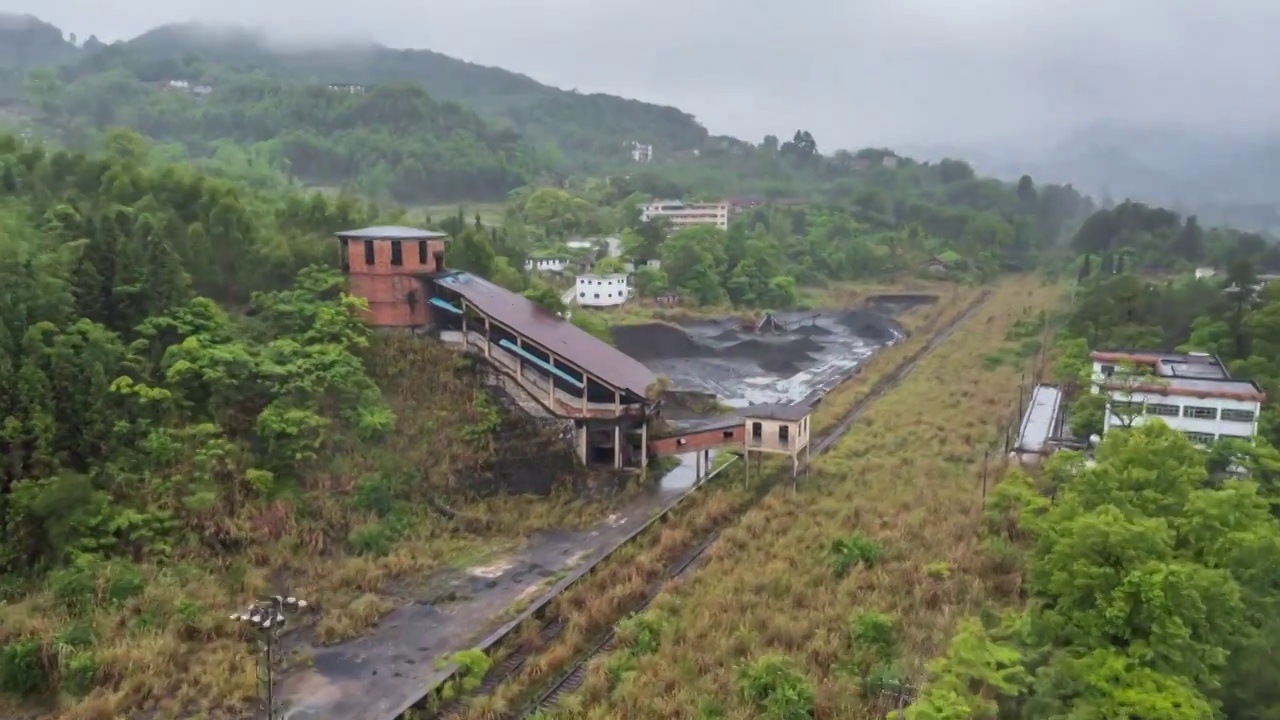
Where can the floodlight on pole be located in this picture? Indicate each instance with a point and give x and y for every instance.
(268, 618)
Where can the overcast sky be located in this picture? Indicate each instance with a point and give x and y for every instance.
(853, 72)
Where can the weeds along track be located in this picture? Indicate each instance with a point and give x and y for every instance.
(563, 639)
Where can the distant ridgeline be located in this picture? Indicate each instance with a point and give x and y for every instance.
(416, 126)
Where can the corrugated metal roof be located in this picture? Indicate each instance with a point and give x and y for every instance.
(1246, 390)
(559, 336)
(392, 232)
(1041, 418)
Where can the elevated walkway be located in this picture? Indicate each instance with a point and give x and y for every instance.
(536, 385)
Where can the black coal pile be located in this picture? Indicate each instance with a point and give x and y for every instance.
(656, 341)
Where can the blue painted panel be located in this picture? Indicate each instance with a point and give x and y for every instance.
(544, 365)
(447, 306)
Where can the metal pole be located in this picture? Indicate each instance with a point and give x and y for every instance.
(271, 698)
(267, 617)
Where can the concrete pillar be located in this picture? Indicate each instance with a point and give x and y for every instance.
(697, 466)
(582, 443)
(487, 337)
(617, 447)
(519, 362)
(551, 381)
(644, 445)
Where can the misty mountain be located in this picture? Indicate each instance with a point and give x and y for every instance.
(26, 43)
(583, 126)
(1233, 180)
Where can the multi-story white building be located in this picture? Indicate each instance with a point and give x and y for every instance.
(1192, 393)
(546, 264)
(641, 152)
(602, 290)
(682, 215)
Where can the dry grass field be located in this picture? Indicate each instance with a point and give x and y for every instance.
(161, 639)
(921, 321)
(834, 596)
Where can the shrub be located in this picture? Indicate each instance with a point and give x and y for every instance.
(79, 673)
(373, 538)
(847, 553)
(875, 630)
(22, 668)
(778, 691)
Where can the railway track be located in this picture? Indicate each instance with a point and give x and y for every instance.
(573, 678)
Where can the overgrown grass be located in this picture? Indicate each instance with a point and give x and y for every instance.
(921, 322)
(905, 483)
(156, 635)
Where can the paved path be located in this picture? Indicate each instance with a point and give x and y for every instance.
(373, 677)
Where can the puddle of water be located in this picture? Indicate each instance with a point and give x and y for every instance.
(491, 571)
(684, 475)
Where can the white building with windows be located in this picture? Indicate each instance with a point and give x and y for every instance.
(602, 290)
(682, 215)
(1191, 392)
(641, 152)
(546, 264)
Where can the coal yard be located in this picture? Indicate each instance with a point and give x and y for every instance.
(783, 358)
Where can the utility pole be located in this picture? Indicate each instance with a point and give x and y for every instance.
(268, 618)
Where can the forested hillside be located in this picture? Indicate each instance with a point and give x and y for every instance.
(394, 141)
(1142, 237)
(589, 131)
(27, 43)
(586, 127)
(192, 414)
(402, 137)
(880, 223)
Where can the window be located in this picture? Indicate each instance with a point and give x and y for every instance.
(1125, 408)
(728, 434)
(1162, 410)
(368, 252)
(397, 253)
(1108, 370)
(1199, 413)
(784, 435)
(757, 431)
(1242, 438)
(1238, 415)
(582, 294)
(595, 296)
(1200, 438)
(422, 252)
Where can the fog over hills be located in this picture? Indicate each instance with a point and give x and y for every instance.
(1167, 101)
